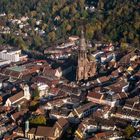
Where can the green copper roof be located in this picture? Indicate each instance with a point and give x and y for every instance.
(17, 68)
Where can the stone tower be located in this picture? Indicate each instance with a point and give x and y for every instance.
(26, 128)
(82, 59)
(27, 92)
(86, 68)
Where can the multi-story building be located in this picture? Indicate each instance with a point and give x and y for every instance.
(13, 56)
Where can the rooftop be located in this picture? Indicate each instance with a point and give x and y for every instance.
(17, 68)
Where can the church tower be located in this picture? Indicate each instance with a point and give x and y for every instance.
(82, 59)
(27, 92)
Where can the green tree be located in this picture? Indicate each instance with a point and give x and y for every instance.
(73, 9)
(124, 46)
(51, 36)
(21, 43)
(129, 130)
(84, 14)
(89, 31)
(38, 120)
(37, 41)
(131, 35)
(36, 93)
(65, 11)
(1, 41)
(33, 105)
(81, 5)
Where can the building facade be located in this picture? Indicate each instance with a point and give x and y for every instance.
(13, 56)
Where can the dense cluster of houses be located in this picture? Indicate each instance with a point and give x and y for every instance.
(21, 23)
(63, 50)
(104, 107)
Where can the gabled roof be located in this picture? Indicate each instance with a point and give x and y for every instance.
(120, 95)
(19, 114)
(62, 122)
(94, 95)
(16, 96)
(104, 79)
(43, 131)
(32, 131)
(84, 107)
(48, 71)
(104, 135)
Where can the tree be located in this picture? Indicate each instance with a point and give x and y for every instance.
(65, 11)
(101, 4)
(81, 5)
(21, 43)
(36, 93)
(129, 130)
(1, 40)
(51, 36)
(124, 46)
(38, 120)
(44, 26)
(136, 42)
(89, 31)
(131, 35)
(37, 41)
(84, 14)
(33, 105)
(33, 13)
(73, 9)
(68, 27)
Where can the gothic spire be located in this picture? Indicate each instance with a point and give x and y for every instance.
(82, 41)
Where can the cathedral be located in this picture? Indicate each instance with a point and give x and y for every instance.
(86, 67)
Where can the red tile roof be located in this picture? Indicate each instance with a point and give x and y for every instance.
(16, 96)
(43, 131)
(62, 122)
(104, 79)
(94, 95)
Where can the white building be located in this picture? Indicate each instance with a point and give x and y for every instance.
(4, 62)
(43, 89)
(13, 56)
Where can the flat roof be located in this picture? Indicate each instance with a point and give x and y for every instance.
(17, 68)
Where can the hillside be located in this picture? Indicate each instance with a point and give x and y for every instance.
(111, 20)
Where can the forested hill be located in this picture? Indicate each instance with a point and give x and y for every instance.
(111, 20)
